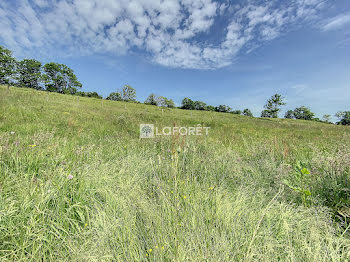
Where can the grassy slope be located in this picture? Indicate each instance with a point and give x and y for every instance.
(215, 198)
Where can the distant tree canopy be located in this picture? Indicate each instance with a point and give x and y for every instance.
(223, 108)
(162, 101)
(29, 73)
(199, 105)
(128, 93)
(60, 78)
(236, 112)
(7, 65)
(187, 103)
(210, 108)
(247, 112)
(88, 94)
(289, 114)
(303, 113)
(115, 96)
(273, 106)
(326, 118)
(165, 102)
(344, 118)
(152, 99)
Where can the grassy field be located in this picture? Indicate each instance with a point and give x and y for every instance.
(78, 184)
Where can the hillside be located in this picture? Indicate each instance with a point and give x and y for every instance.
(78, 184)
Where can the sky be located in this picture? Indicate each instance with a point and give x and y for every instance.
(232, 52)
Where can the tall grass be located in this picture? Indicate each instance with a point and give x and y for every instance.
(77, 184)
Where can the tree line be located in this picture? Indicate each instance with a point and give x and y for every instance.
(55, 77)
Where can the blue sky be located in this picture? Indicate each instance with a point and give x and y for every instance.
(237, 53)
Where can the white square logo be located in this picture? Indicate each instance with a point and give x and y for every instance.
(146, 131)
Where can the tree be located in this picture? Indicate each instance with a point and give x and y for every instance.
(339, 114)
(223, 109)
(236, 112)
(29, 73)
(88, 94)
(289, 114)
(304, 113)
(199, 105)
(60, 78)
(273, 106)
(210, 108)
(247, 112)
(344, 118)
(152, 99)
(128, 94)
(162, 101)
(7, 65)
(165, 102)
(115, 96)
(169, 103)
(265, 113)
(327, 118)
(187, 104)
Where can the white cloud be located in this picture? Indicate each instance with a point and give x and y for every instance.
(336, 22)
(168, 32)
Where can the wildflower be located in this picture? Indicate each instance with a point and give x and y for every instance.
(150, 250)
(211, 188)
(172, 192)
(70, 177)
(12, 132)
(162, 247)
(32, 146)
(85, 225)
(156, 247)
(185, 197)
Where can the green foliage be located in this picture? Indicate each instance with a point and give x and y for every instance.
(273, 106)
(210, 108)
(60, 78)
(159, 101)
(7, 65)
(199, 105)
(289, 114)
(236, 112)
(29, 73)
(266, 113)
(152, 99)
(88, 94)
(303, 113)
(223, 109)
(115, 96)
(344, 118)
(188, 104)
(326, 118)
(247, 112)
(165, 102)
(299, 181)
(128, 93)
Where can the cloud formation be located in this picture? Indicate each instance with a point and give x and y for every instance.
(173, 33)
(336, 22)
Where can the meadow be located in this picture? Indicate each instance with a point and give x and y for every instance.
(78, 184)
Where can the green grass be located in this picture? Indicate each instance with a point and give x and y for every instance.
(220, 197)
